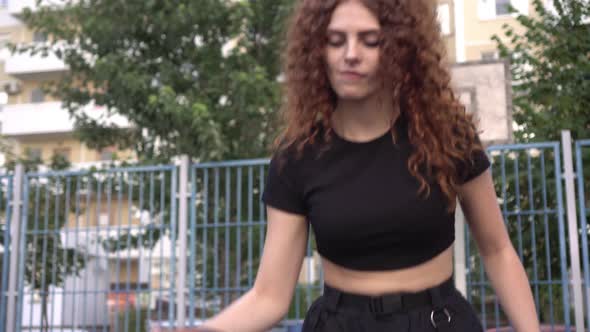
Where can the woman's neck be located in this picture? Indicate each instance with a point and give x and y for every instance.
(363, 119)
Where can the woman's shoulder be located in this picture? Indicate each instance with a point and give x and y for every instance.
(306, 146)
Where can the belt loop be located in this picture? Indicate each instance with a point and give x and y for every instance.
(435, 298)
(440, 318)
(332, 298)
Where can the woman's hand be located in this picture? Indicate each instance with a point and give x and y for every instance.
(186, 329)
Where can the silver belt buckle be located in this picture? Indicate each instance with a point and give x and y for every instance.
(444, 310)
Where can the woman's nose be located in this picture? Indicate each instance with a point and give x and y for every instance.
(351, 52)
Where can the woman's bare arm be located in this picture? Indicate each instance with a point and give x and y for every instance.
(268, 301)
(504, 269)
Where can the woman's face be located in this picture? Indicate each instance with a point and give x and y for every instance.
(352, 51)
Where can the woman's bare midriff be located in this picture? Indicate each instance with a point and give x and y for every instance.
(412, 279)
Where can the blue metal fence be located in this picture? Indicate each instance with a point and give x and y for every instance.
(582, 162)
(97, 249)
(527, 178)
(6, 184)
(227, 226)
(100, 248)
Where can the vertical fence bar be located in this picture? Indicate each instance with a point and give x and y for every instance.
(85, 295)
(129, 233)
(54, 233)
(182, 239)
(76, 238)
(150, 243)
(193, 245)
(239, 228)
(5, 254)
(570, 197)
(15, 237)
(216, 229)
(173, 229)
(548, 245)
(204, 292)
(517, 206)
(583, 224)
(532, 220)
(250, 222)
(21, 249)
(161, 258)
(460, 269)
(227, 231)
(107, 197)
(496, 304)
(562, 236)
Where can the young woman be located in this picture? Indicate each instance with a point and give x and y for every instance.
(376, 151)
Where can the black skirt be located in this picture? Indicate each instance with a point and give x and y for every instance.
(441, 308)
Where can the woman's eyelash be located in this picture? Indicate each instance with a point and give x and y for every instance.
(341, 41)
(372, 43)
(337, 42)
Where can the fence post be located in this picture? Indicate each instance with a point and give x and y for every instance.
(182, 238)
(572, 226)
(15, 229)
(583, 225)
(460, 269)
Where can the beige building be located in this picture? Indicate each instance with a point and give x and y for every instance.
(468, 26)
(32, 122)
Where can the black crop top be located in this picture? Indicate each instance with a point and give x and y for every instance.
(363, 203)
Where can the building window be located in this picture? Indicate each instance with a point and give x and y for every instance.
(63, 152)
(37, 95)
(502, 7)
(34, 153)
(3, 98)
(39, 37)
(490, 9)
(4, 40)
(107, 154)
(444, 18)
(489, 55)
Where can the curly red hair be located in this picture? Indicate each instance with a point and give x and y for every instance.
(412, 66)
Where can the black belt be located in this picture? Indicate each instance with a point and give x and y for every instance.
(394, 303)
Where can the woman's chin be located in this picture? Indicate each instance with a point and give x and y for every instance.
(352, 95)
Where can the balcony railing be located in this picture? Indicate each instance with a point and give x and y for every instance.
(24, 65)
(47, 118)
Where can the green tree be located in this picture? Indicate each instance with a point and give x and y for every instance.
(167, 67)
(550, 66)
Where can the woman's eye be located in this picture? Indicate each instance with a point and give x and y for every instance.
(336, 41)
(372, 43)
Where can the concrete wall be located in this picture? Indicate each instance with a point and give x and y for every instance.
(484, 88)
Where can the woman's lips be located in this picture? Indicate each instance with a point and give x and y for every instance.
(351, 75)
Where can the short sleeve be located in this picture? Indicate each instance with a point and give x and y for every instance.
(478, 163)
(282, 187)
